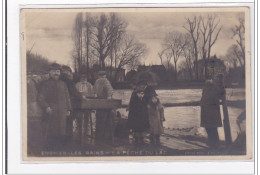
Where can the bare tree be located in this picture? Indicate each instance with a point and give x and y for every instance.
(214, 31)
(175, 42)
(88, 36)
(129, 52)
(194, 31)
(234, 55)
(78, 37)
(168, 59)
(239, 32)
(188, 52)
(160, 54)
(105, 34)
(208, 29)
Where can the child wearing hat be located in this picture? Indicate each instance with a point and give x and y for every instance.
(156, 118)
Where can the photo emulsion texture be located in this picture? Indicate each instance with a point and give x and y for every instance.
(134, 83)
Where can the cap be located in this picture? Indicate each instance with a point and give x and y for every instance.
(66, 68)
(54, 66)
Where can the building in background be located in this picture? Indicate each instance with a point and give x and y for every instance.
(214, 67)
(159, 70)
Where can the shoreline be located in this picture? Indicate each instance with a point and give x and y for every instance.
(179, 87)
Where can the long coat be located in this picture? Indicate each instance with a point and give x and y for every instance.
(138, 114)
(103, 90)
(148, 93)
(75, 96)
(210, 107)
(33, 108)
(54, 94)
(156, 117)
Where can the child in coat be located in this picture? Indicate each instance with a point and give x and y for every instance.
(156, 118)
(138, 116)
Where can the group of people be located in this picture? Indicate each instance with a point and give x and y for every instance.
(52, 103)
(53, 100)
(146, 114)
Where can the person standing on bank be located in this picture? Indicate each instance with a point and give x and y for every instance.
(138, 115)
(75, 96)
(103, 90)
(149, 91)
(84, 87)
(54, 99)
(156, 119)
(210, 112)
(86, 91)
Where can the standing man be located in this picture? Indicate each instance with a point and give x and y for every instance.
(210, 112)
(75, 97)
(55, 102)
(84, 120)
(34, 117)
(102, 86)
(103, 90)
(84, 87)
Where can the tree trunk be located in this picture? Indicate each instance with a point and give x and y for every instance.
(205, 66)
(102, 64)
(196, 63)
(111, 64)
(87, 50)
(190, 71)
(175, 67)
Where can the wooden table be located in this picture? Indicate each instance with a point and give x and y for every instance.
(91, 104)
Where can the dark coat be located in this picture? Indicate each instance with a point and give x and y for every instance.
(138, 114)
(148, 93)
(54, 94)
(75, 96)
(210, 107)
(33, 108)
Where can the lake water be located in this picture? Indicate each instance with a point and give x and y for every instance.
(187, 117)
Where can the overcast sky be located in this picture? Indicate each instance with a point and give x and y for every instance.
(50, 32)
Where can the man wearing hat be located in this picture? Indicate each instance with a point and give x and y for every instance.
(54, 99)
(210, 112)
(75, 96)
(103, 90)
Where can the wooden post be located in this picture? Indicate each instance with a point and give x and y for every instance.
(82, 128)
(226, 122)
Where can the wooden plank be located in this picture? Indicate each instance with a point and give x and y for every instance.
(196, 103)
(175, 143)
(100, 104)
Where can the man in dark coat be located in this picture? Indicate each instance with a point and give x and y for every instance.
(55, 101)
(75, 97)
(210, 112)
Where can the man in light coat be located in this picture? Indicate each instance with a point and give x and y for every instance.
(103, 90)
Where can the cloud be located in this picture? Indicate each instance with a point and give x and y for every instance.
(47, 32)
(51, 31)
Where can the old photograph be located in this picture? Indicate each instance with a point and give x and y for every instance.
(134, 83)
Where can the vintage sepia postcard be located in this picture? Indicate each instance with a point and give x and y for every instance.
(136, 84)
